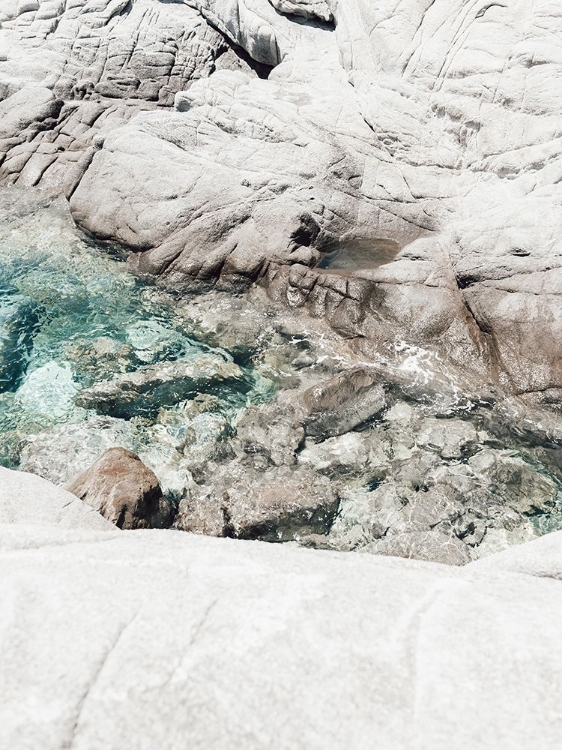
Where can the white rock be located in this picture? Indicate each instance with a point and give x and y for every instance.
(435, 126)
(29, 500)
(162, 639)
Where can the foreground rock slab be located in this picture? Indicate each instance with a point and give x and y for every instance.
(31, 500)
(123, 490)
(188, 641)
(161, 639)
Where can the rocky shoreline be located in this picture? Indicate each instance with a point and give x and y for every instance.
(280, 271)
(329, 348)
(258, 420)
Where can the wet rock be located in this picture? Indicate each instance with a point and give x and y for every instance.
(424, 545)
(342, 403)
(521, 488)
(276, 506)
(273, 431)
(152, 341)
(494, 495)
(19, 320)
(357, 453)
(149, 388)
(99, 356)
(451, 438)
(123, 490)
(499, 539)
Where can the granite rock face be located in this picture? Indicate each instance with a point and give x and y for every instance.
(271, 646)
(123, 490)
(347, 126)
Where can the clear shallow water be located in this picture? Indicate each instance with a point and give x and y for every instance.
(71, 315)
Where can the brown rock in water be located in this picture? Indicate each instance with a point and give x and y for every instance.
(123, 490)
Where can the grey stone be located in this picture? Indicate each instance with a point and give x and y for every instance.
(275, 506)
(423, 545)
(451, 438)
(149, 388)
(273, 431)
(346, 401)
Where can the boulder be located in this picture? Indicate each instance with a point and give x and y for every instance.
(123, 490)
(160, 639)
(276, 506)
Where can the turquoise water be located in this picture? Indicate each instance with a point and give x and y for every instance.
(72, 315)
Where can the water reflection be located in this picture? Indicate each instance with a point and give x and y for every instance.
(359, 254)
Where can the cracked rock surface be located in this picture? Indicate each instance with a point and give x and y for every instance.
(428, 124)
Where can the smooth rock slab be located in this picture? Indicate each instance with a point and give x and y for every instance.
(160, 639)
(273, 506)
(342, 403)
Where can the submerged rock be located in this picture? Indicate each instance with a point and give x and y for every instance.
(99, 356)
(47, 393)
(274, 506)
(148, 389)
(19, 319)
(342, 403)
(123, 490)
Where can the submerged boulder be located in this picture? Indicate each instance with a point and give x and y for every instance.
(124, 491)
(342, 403)
(149, 388)
(276, 506)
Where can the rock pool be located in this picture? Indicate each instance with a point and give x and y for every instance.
(71, 317)
(250, 416)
